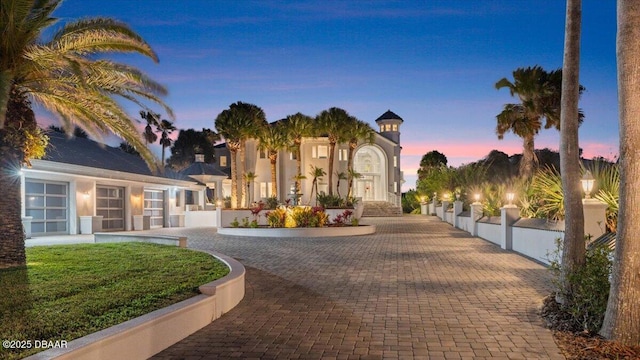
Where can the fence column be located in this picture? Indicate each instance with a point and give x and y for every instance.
(595, 218)
(476, 214)
(457, 209)
(508, 216)
(424, 208)
(445, 206)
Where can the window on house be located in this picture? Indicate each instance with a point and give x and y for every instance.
(319, 152)
(388, 127)
(323, 151)
(343, 155)
(265, 190)
(293, 156)
(262, 154)
(223, 161)
(395, 161)
(381, 128)
(395, 127)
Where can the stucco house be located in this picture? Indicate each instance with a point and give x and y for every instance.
(82, 186)
(378, 163)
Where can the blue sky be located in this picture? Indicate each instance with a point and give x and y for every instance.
(434, 63)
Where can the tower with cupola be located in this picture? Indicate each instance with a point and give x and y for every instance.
(389, 125)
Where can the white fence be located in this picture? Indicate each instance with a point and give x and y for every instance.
(534, 238)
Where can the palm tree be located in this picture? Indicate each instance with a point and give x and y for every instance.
(249, 178)
(316, 173)
(341, 176)
(166, 128)
(355, 132)
(149, 134)
(539, 94)
(272, 139)
(573, 251)
(67, 75)
(298, 126)
(622, 318)
(237, 124)
(333, 123)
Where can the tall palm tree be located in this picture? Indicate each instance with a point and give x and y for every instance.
(272, 139)
(355, 132)
(573, 251)
(316, 173)
(165, 127)
(240, 122)
(539, 94)
(68, 75)
(622, 318)
(333, 123)
(298, 126)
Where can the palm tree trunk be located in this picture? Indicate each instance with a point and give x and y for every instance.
(350, 156)
(299, 166)
(622, 318)
(528, 157)
(234, 178)
(274, 179)
(241, 172)
(12, 240)
(573, 252)
(332, 148)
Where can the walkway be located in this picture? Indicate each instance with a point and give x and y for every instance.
(418, 288)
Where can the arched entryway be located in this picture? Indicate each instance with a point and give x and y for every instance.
(371, 162)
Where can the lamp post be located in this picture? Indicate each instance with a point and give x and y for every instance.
(476, 197)
(587, 182)
(510, 197)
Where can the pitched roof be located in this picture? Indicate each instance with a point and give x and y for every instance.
(389, 115)
(201, 168)
(86, 152)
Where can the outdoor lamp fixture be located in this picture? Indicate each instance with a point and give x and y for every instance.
(218, 203)
(587, 184)
(446, 196)
(476, 197)
(510, 197)
(86, 195)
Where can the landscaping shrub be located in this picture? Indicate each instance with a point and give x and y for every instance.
(586, 303)
(329, 201)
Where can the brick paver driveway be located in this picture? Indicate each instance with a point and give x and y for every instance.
(418, 288)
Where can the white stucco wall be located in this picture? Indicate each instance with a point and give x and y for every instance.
(489, 232)
(534, 243)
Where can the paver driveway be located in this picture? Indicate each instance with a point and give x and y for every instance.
(418, 288)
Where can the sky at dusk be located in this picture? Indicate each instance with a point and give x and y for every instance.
(434, 63)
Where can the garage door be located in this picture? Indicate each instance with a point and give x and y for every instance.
(110, 205)
(48, 203)
(154, 207)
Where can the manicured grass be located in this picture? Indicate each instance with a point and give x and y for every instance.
(69, 291)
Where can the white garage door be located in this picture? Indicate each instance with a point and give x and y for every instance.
(154, 207)
(48, 203)
(110, 205)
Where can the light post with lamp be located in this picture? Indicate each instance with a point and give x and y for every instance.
(595, 211)
(476, 214)
(509, 214)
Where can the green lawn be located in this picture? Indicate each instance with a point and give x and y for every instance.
(69, 291)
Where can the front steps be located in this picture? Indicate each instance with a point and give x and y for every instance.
(381, 209)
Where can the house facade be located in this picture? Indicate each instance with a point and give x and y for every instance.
(82, 186)
(377, 162)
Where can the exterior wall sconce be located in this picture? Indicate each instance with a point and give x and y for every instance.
(587, 182)
(510, 197)
(86, 195)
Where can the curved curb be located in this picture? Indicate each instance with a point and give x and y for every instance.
(147, 335)
(300, 232)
